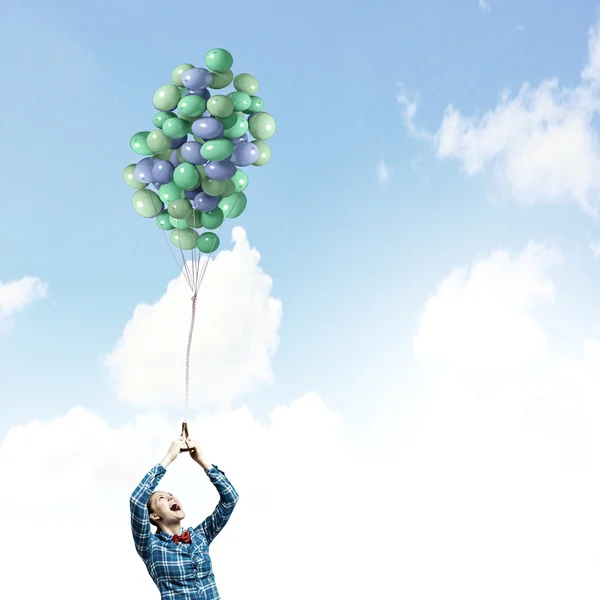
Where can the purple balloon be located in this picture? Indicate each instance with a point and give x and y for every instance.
(143, 170)
(191, 153)
(197, 78)
(162, 171)
(204, 202)
(156, 186)
(220, 169)
(191, 194)
(245, 154)
(178, 142)
(174, 160)
(244, 138)
(201, 92)
(207, 128)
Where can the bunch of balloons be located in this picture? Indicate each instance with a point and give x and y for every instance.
(194, 155)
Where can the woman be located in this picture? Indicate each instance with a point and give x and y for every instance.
(178, 561)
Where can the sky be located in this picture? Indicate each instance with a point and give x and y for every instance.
(396, 358)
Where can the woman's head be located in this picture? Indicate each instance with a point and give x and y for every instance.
(165, 510)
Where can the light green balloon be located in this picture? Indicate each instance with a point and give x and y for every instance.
(163, 221)
(256, 105)
(208, 242)
(178, 223)
(177, 128)
(186, 176)
(130, 180)
(229, 188)
(165, 155)
(221, 80)
(212, 219)
(183, 117)
(169, 192)
(218, 149)
(233, 206)
(220, 106)
(241, 100)
(184, 239)
(160, 118)
(218, 60)
(238, 129)
(213, 187)
(194, 219)
(192, 105)
(240, 180)
(244, 82)
(264, 153)
(138, 143)
(157, 141)
(166, 97)
(180, 208)
(202, 171)
(178, 72)
(262, 126)
(147, 203)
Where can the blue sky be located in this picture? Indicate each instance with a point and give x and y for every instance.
(79, 82)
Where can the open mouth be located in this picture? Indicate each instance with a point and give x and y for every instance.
(175, 507)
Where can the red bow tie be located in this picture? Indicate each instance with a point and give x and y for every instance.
(184, 537)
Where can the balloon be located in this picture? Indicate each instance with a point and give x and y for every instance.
(238, 140)
(203, 202)
(166, 97)
(194, 219)
(208, 242)
(185, 239)
(174, 160)
(157, 141)
(185, 118)
(207, 128)
(147, 203)
(229, 189)
(241, 100)
(238, 129)
(262, 126)
(192, 106)
(191, 194)
(218, 60)
(180, 208)
(212, 219)
(138, 143)
(178, 142)
(221, 80)
(143, 170)
(246, 83)
(192, 152)
(170, 192)
(245, 154)
(202, 92)
(178, 72)
(197, 78)
(233, 206)
(256, 105)
(264, 153)
(220, 169)
(229, 121)
(213, 187)
(156, 186)
(217, 149)
(130, 180)
(240, 180)
(162, 171)
(164, 155)
(163, 221)
(160, 118)
(178, 223)
(220, 106)
(186, 176)
(177, 128)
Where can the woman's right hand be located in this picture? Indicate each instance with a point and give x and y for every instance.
(175, 449)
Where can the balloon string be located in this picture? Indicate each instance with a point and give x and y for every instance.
(187, 358)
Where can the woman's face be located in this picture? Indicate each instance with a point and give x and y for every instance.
(167, 507)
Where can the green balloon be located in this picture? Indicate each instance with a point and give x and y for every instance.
(220, 106)
(194, 219)
(183, 117)
(246, 83)
(130, 180)
(262, 126)
(165, 155)
(169, 192)
(264, 153)
(163, 221)
(160, 117)
(221, 80)
(185, 239)
(213, 187)
(138, 143)
(192, 105)
(238, 129)
(219, 149)
(208, 242)
(229, 121)
(218, 60)
(147, 203)
(178, 72)
(241, 100)
(229, 188)
(240, 180)
(178, 223)
(180, 208)
(201, 170)
(233, 206)
(186, 176)
(157, 141)
(166, 97)
(211, 219)
(256, 105)
(178, 128)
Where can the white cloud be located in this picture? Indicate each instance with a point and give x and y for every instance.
(384, 172)
(236, 333)
(484, 6)
(409, 103)
(18, 294)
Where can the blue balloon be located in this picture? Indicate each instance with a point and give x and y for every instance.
(162, 171)
(143, 170)
(174, 160)
(220, 169)
(191, 194)
(197, 78)
(204, 202)
(178, 142)
(156, 186)
(191, 153)
(245, 154)
(208, 128)
(244, 138)
(204, 92)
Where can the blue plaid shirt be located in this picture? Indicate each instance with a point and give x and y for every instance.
(180, 571)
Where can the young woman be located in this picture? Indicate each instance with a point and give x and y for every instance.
(178, 560)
